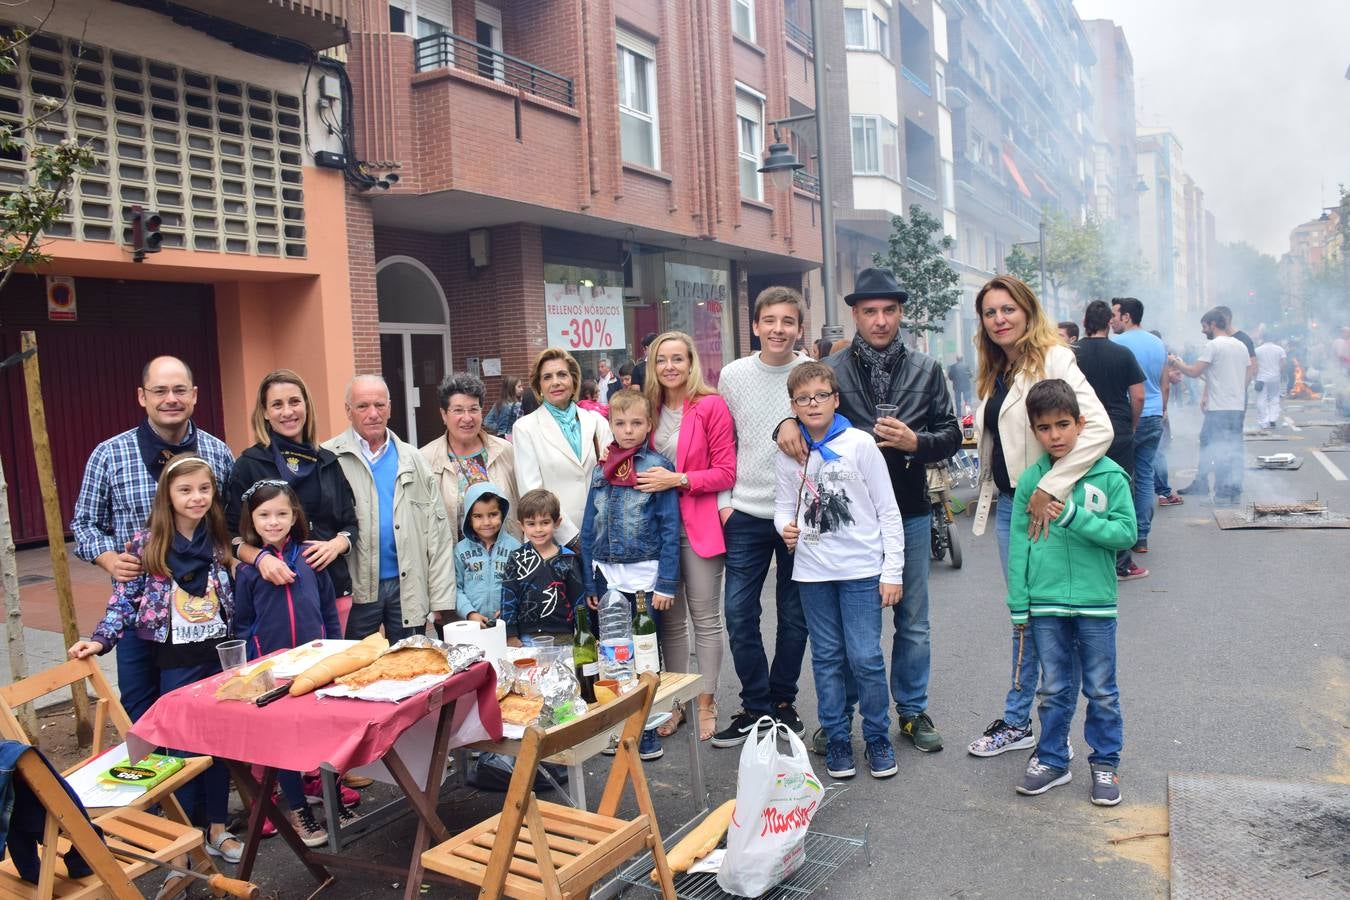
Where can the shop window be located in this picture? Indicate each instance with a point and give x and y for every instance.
(750, 142)
(639, 134)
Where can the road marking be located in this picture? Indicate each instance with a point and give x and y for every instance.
(1332, 469)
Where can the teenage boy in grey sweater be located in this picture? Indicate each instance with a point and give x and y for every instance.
(755, 389)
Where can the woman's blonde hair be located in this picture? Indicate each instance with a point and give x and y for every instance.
(573, 368)
(1040, 336)
(695, 387)
(261, 435)
(161, 527)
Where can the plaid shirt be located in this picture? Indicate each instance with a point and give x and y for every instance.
(117, 491)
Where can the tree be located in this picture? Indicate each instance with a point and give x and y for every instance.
(1023, 265)
(1248, 281)
(27, 213)
(916, 256)
(1093, 260)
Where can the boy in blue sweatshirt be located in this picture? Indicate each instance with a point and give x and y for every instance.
(1064, 586)
(480, 556)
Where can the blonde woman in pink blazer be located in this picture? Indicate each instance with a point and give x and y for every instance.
(694, 428)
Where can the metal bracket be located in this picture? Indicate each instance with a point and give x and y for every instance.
(15, 358)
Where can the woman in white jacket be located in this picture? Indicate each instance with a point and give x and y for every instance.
(1018, 346)
(558, 444)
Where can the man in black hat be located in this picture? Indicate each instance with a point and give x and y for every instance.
(919, 428)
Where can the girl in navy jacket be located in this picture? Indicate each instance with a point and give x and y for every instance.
(272, 617)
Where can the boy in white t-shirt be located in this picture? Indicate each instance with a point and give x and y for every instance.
(839, 516)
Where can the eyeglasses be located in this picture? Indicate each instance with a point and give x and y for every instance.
(179, 390)
(817, 398)
(464, 410)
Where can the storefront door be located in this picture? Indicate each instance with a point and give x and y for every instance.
(414, 346)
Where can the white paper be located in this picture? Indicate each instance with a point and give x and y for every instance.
(710, 863)
(492, 366)
(95, 794)
(386, 691)
(298, 659)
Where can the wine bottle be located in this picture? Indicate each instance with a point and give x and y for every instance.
(647, 657)
(585, 657)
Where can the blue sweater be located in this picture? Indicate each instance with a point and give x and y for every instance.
(274, 617)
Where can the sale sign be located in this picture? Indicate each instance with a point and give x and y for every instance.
(584, 317)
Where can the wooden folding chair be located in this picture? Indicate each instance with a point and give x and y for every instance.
(66, 827)
(107, 709)
(562, 851)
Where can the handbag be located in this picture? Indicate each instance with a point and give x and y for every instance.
(776, 796)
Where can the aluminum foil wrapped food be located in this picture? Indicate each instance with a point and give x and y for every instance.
(561, 692)
(459, 656)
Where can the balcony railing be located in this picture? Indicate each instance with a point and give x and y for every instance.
(916, 81)
(805, 181)
(799, 36)
(450, 51)
(920, 188)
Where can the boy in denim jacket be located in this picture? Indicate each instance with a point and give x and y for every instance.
(631, 539)
(480, 556)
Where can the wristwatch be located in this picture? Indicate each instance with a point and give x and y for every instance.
(684, 481)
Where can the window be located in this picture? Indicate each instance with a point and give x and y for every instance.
(881, 31)
(875, 147)
(743, 18)
(488, 32)
(398, 20)
(855, 28)
(750, 142)
(638, 134)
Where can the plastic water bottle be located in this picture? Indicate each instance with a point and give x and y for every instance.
(616, 637)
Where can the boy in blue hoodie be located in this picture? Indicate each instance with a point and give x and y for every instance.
(1064, 586)
(480, 556)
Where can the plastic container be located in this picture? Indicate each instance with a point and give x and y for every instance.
(616, 637)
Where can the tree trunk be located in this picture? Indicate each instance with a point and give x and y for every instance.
(56, 530)
(9, 582)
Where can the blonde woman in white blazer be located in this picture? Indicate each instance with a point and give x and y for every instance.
(1018, 346)
(558, 444)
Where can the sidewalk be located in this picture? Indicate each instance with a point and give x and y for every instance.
(44, 645)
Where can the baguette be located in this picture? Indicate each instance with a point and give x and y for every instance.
(325, 671)
(701, 841)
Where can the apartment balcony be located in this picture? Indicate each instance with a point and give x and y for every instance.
(318, 24)
(446, 50)
(799, 36)
(804, 181)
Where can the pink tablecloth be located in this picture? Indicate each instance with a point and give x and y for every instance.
(304, 733)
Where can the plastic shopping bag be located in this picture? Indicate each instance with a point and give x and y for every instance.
(776, 796)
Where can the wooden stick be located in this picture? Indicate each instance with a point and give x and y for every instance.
(56, 529)
(1135, 837)
(9, 583)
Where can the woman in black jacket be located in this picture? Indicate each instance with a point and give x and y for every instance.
(286, 450)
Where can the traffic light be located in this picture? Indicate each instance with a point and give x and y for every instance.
(145, 234)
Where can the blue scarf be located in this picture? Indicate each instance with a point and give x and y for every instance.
(189, 560)
(837, 427)
(155, 451)
(569, 422)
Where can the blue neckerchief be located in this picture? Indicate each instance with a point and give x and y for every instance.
(569, 422)
(837, 427)
(189, 559)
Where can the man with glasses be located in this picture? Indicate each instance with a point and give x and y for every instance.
(901, 396)
(118, 488)
(403, 564)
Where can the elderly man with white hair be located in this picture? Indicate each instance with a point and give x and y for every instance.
(402, 567)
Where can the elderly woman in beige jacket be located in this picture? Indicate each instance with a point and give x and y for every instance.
(466, 454)
(559, 443)
(1018, 346)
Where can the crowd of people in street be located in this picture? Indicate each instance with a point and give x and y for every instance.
(647, 478)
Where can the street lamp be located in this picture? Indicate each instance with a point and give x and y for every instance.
(781, 163)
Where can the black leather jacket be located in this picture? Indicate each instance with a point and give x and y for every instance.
(919, 389)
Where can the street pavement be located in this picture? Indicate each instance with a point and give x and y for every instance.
(1232, 659)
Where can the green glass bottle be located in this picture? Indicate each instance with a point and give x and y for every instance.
(585, 654)
(646, 655)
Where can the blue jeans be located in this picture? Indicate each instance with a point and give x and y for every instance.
(1161, 486)
(1147, 435)
(138, 675)
(205, 798)
(911, 646)
(1022, 690)
(386, 610)
(752, 543)
(838, 651)
(1069, 643)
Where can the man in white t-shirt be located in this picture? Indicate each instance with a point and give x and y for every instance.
(1222, 363)
(1269, 363)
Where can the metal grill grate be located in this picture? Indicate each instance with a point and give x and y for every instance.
(220, 160)
(825, 855)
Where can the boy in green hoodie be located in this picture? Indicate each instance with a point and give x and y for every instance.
(1063, 588)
